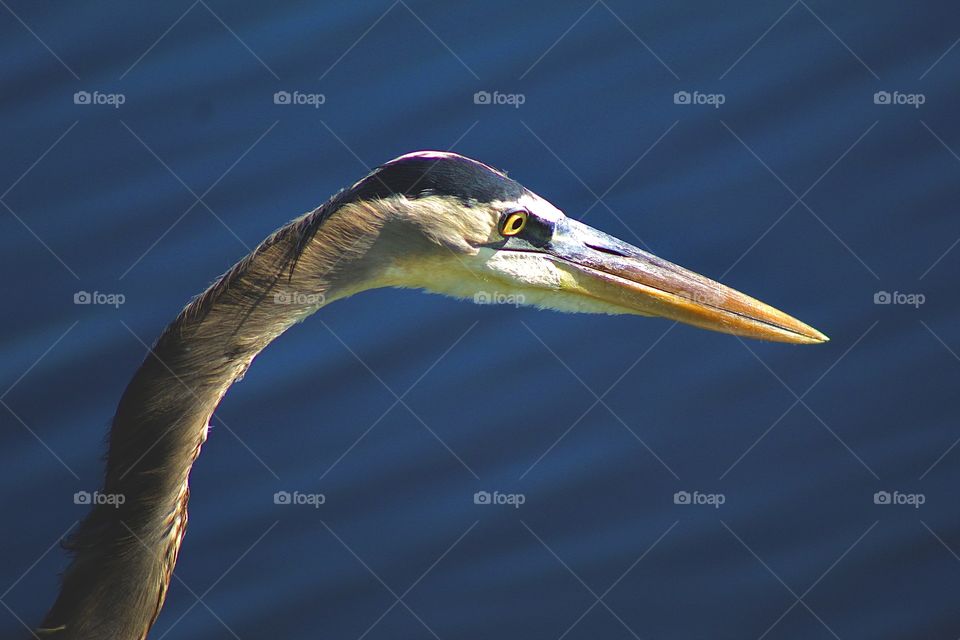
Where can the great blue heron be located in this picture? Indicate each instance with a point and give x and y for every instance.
(427, 220)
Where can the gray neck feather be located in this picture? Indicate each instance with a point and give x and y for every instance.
(124, 557)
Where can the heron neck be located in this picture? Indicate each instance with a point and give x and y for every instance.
(124, 554)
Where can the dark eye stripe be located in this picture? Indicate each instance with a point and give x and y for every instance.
(536, 232)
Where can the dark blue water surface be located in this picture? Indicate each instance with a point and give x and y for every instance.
(799, 189)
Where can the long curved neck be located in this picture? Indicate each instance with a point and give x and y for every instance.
(124, 554)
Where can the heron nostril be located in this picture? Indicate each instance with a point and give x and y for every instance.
(612, 252)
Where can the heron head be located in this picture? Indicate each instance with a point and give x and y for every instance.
(458, 227)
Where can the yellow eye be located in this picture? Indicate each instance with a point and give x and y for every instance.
(514, 223)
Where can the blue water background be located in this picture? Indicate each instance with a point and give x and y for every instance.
(798, 189)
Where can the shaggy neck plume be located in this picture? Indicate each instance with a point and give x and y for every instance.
(124, 555)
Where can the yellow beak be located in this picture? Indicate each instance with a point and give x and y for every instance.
(619, 274)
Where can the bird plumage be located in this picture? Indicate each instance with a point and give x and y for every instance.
(430, 220)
